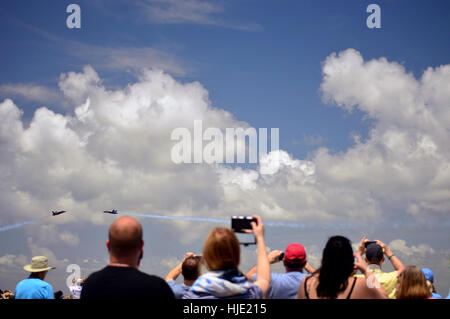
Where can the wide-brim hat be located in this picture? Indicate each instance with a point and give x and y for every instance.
(38, 264)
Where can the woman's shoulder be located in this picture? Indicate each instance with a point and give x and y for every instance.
(360, 282)
(362, 290)
(311, 278)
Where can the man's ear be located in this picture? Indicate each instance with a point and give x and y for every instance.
(108, 245)
(366, 260)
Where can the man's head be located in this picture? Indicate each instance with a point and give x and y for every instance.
(190, 269)
(294, 257)
(374, 254)
(125, 240)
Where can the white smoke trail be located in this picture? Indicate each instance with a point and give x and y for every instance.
(189, 218)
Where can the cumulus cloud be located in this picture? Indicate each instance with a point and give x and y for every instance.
(10, 260)
(400, 172)
(11, 266)
(50, 235)
(418, 251)
(407, 153)
(423, 255)
(112, 150)
(37, 249)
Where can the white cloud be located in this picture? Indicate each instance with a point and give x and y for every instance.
(170, 262)
(194, 11)
(417, 251)
(407, 150)
(191, 11)
(11, 266)
(35, 93)
(69, 238)
(126, 58)
(7, 260)
(13, 260)
(112, 150)
(49, 235)
(314, 255)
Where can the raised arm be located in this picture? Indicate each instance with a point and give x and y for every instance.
(176, 271)
(251, 273)
(395, 261)
(310, 269)
(361, 247)
(359, 253)
(262, 262)
(274, 257)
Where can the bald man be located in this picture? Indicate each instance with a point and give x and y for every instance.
(121, 279)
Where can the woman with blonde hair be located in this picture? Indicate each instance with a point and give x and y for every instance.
(221, 255)
(412, 284)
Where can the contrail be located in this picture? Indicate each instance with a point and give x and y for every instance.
(307, 225)
(32, 221)
(197, 219)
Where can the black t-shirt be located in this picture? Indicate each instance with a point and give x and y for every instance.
(124, 283)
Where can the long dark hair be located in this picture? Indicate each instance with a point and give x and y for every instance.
(337, 266)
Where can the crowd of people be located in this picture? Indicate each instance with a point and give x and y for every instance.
(336, 278)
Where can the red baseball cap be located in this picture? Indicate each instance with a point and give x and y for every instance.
(295, 252)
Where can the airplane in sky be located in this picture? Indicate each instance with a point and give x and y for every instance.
(54, 213)
(114, 211)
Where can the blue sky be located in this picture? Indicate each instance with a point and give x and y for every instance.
(263, 62)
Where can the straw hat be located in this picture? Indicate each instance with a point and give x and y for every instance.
(38, 264)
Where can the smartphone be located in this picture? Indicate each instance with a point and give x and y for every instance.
(367, 243)
(241, 223)
(281, 256)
